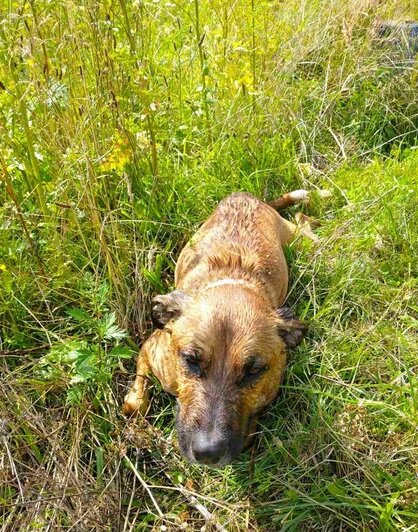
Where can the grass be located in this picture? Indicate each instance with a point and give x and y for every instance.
(122, 125)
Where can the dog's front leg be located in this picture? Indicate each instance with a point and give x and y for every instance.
(156, 356)
(137, 399)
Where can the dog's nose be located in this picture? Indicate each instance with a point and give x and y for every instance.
(209, 448)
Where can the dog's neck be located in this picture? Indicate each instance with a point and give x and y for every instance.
(229, 281)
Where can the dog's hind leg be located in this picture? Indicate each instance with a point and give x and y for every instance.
(289, 231)
(304, 224)
(289, 199)
(295, 197)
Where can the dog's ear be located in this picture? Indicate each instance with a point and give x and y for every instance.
(289, 327)
(167, 307)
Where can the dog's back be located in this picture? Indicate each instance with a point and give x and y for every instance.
(242, 239)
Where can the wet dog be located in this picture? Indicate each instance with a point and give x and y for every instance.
(222, 334)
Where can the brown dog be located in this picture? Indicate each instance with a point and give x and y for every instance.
(222, 338)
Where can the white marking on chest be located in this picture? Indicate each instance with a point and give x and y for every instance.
(222, 282)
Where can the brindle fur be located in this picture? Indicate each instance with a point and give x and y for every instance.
(227, 323)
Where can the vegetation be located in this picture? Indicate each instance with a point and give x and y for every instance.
(122, 125)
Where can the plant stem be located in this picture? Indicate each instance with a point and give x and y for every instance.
(11, 193)
(37, 185)
(41, 39)
(128, 26)
(253, 54)
(200, 38)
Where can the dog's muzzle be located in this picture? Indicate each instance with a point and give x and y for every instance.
(214, 446)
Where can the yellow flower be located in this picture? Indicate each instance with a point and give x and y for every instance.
(118, 156)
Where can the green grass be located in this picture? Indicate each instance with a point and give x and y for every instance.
(122, 124)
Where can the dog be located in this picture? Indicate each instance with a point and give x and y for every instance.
(222, 335)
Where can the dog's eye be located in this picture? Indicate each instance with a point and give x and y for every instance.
(255, 370)
(191, 360)
(252, 371)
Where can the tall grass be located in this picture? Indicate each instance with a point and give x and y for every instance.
(122, 124)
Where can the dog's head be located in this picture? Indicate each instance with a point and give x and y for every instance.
(230, 352)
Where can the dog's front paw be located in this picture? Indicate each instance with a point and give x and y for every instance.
(137, 400)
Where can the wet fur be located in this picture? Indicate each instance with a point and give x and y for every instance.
(241, 245)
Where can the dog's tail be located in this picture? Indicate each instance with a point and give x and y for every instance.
(289, 199)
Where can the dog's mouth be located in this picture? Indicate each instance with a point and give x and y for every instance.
(214, 448)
